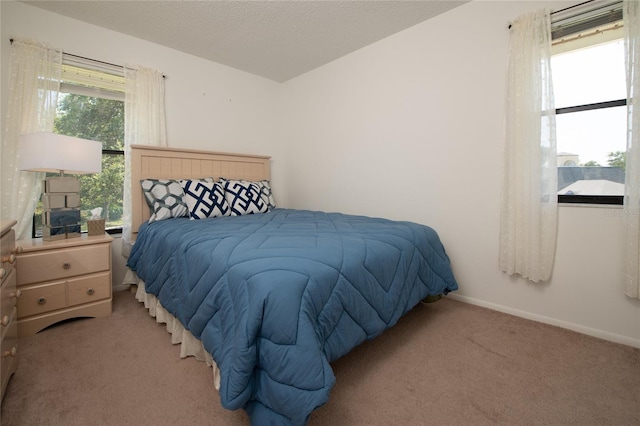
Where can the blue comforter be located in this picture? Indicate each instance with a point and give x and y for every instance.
(276, 297)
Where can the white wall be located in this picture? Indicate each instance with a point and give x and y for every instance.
(208, 105)
(412, 127)
(409, 128)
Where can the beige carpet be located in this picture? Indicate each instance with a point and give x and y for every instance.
(446, 363)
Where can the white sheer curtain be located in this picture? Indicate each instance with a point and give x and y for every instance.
(144, 124)
(529, 212)
(34, 82)
(631, 15)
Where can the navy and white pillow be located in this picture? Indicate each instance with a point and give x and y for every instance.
(205, 199)
(165, 197)
(244, 197)
(265, 190)
(267, 194)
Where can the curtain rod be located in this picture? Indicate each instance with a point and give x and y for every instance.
(89, 59)
(571, 7)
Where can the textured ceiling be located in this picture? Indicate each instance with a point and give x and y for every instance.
(278, 40)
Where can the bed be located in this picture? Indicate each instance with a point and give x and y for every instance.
(270, 299)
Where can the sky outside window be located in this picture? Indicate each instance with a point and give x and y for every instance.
(585, 76)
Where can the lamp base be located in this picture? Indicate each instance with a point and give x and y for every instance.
(61, 203)
(61, 185)
(52, 233)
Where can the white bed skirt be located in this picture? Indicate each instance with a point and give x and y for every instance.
(189, 345)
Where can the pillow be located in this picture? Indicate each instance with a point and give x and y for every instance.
(205, 199)
(166, 198)
(265, 190)
(267, 194)
(244, 197)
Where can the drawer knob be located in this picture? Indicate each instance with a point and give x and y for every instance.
(11, 352)
(66, 265)
(5, 320)
(41, 300)
(18, 250)
(11, 259)
(90, 291)
(15, 294)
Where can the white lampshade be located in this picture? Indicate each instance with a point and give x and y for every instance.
(51, 152)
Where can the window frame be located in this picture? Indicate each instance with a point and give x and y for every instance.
(591, 199)
(570, 26)
(113, 89)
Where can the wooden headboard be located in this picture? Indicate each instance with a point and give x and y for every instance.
(149, 162)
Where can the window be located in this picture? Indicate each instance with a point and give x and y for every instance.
(590, 96)
(91, 106)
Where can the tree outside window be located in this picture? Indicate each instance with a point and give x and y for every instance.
(102, 120)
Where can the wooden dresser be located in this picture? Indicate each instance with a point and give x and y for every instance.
(8, 296)
(62, 279)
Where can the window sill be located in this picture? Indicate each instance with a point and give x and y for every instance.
(588, 205)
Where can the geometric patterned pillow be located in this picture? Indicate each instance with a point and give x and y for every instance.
(205, 199)
(165, 197)
(265, 190)
(267, 194)
(244, 197)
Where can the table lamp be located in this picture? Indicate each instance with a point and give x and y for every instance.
(54, 153)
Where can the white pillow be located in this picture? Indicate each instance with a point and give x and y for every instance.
(265, 190)
(244, 197)
(205, 199)
(165, 197)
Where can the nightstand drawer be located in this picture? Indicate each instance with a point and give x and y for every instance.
(9, 332)
(62, 279)
(8, 295)
(56, 264)
(89, 289)
(8, 301)
(7, 246)
(9, 349)
(42, 298)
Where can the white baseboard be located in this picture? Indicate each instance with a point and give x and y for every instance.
(611, 337)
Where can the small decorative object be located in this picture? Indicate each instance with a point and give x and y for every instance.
(95, 225)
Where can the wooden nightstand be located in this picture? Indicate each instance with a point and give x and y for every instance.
(62, 279)
(8, 297)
